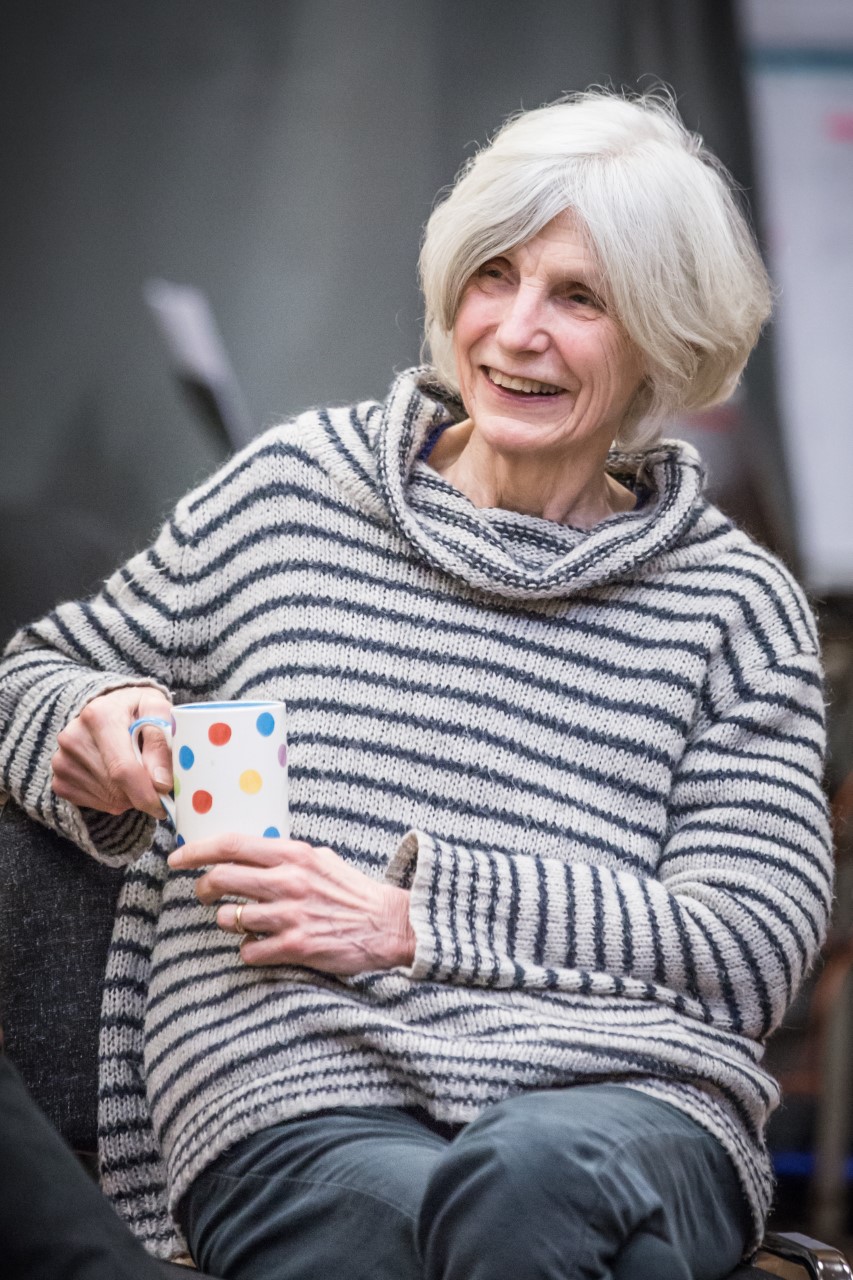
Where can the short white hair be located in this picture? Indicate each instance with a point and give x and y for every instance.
(679, 266)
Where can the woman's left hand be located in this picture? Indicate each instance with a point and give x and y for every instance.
(306, 906)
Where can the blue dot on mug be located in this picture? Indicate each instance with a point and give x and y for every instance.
(186, 758)
(272, 832)
(265, 723)
(180, 841)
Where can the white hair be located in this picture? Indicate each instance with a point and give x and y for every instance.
(680, 269)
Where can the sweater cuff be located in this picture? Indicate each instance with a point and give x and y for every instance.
(416, 867)
(457, 938)
(113, 839)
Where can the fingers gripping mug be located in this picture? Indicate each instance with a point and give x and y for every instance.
(229, 762)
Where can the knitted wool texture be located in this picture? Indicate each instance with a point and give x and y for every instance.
(593, 757)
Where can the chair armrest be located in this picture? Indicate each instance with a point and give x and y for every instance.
(813, 1258)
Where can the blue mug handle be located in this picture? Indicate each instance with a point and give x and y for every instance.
(134, 731)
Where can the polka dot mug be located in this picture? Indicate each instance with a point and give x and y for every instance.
(229, 762)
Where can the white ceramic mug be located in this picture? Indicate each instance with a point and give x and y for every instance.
(229, 762)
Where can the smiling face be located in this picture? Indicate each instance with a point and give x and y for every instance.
(543, 368)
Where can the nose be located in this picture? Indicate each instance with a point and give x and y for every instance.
(523, 323)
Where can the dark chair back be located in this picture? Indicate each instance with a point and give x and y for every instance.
(56, 914)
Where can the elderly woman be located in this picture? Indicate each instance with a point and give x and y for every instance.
(559, 854)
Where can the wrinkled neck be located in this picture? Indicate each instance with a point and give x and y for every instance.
(571, 489)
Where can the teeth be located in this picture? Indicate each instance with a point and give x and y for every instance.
(523, 384)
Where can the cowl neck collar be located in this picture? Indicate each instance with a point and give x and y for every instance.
(517, 556)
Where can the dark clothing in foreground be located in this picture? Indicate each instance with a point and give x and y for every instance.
(54, 1222)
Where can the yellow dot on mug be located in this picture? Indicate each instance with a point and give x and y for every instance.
(176, 786)
(251, 781)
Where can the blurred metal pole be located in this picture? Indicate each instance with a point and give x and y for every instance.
(832, 1135)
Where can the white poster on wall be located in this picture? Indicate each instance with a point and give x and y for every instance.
(801, 83)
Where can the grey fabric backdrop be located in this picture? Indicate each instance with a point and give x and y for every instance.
(283, 155)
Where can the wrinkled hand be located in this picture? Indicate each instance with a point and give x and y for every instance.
(94, 764)
(310, 906)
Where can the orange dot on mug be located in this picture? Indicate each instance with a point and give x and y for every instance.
(219, 733)
(202, 801)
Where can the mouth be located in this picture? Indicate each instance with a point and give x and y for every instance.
(522, 387)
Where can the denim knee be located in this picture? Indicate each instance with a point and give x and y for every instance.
(491, 1207)
(547, 1183)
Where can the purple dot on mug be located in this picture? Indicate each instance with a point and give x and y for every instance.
(272, 832)
(282, 754)
(174, 726)
(265, 724)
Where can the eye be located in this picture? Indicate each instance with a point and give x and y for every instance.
(582, 297)
(495, 271)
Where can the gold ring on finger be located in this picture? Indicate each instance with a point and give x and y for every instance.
(238, 919)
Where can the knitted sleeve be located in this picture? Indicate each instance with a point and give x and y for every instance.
(129, 634)
(725, 927)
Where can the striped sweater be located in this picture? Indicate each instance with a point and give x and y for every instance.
(594, 757)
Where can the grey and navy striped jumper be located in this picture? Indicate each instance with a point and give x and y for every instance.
(593, 756)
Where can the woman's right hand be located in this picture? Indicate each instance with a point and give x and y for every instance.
(94, 765)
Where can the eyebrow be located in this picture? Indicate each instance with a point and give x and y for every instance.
(568, 281)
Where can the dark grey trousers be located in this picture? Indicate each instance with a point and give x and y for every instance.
(589, 1183)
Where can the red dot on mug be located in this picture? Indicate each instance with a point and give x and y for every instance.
(202, 801)
(219, 733)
